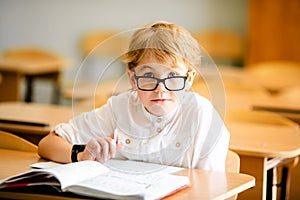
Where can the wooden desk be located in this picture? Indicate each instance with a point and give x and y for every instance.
(286, 107)
(51, 114)
(262, 147)
(290, 109)
(205, 185)
(13, 70)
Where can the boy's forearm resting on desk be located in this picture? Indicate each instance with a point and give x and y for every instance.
(55, 148)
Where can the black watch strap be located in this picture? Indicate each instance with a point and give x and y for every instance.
(75, 150)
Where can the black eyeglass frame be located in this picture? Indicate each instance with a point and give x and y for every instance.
(159, 81)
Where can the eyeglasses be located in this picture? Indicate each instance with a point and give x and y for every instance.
(174, 83)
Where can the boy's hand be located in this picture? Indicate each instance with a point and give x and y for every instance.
(100, 149)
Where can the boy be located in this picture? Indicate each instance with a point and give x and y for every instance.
(159, 120)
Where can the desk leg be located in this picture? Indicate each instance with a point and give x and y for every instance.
(272, 183)
(295, 182)
(9, 87)
(29, 88)
(54, 77)
(255, 166)
(285, 183)
(57, 87)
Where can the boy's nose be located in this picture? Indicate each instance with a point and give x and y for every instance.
(160, 88)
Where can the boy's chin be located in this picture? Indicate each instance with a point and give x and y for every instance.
(159, 110)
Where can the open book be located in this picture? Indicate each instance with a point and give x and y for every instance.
(116, 179)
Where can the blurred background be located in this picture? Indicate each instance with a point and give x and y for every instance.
(234, 32)
(59, 26)
(254, 43)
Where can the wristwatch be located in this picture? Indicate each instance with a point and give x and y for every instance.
(77, 148)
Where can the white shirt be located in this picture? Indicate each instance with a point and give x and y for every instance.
(191, 136)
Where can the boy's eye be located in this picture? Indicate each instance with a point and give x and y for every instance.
(149, 74)
(172, 74)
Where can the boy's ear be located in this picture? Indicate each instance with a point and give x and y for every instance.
(131, 79)
(191, 76)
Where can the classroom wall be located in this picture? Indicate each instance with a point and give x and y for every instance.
(59, 24)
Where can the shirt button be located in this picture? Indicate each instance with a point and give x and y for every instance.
(159, 130)
(127, 141)
(158, 120)
(178, 144)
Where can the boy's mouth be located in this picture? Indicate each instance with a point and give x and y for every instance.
(160, 100)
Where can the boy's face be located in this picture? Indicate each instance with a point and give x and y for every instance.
(159, 101)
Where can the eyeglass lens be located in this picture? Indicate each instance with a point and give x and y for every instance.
(170, 83)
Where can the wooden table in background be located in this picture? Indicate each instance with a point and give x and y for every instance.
(32, 112)
(262, 147)
(13, 70)
(289, 108)
(205, 185)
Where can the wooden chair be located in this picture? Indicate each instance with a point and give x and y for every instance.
(259, 117)
(275, 75)
(224, 46)
(93, 96)
(99, 49)
(103, 43)
(290, 96)
(232, 165)
(238, 93)
(11, 141)
(35, 54)
(291, 93)
(232, 162)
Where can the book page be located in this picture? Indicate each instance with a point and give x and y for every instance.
(73, 173)
(167, 186)
(66, 175)
(91, 178)
(44, 165)
(128, 166)
(136, 167)
(114, 183)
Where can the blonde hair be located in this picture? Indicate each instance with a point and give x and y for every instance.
(166, 42)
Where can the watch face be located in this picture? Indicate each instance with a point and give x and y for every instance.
(75, 150)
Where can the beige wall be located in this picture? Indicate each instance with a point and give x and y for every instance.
(59, 24)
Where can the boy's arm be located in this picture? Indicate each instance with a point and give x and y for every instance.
(55, 148)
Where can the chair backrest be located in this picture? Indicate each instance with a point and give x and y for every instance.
(224, 46)
(11, 141)
(275, 75)
(104, 43)
(232, 165)
(290, 94)
(29, 53)
(232, 162)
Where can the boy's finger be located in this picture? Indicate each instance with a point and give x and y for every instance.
(104, 149)
(119, 142)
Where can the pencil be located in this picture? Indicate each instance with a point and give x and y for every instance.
(115, 135)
